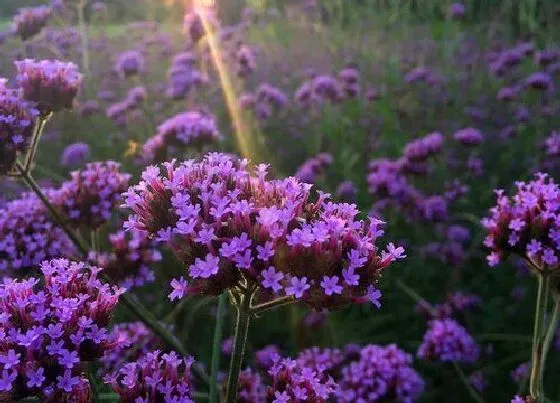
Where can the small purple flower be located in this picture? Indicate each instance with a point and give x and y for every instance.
(74, 154)
(271, 279)
(330, 285)
(297, 287)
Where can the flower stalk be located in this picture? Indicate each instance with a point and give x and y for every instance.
(240, 339)
(218, 330)
(538, 359)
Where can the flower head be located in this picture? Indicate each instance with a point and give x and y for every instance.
(92, 193)
(154, 377)
(381, 373)
(226, 221)
(187, 129)
(50, 328)
(446, 340)
(526, 224)
(29, 21)
(51, 84)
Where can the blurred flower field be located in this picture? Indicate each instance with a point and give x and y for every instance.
(252, 201)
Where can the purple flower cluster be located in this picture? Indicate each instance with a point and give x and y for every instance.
(50, 328)
(552, 144)
(51, 84)
(246, 63)
(250, 387)
(319, 90)
(293, 382)
(328, 360)
(182, 76)
(17, 120)
(448, 341)
(382, 373)
(264, 358)
(92, 193)
(505, 61)
(225, 220)
(350, 80)
(129, 63)
(457, 11)
(187, 129)
(130, 260)
(28, 236)
(314, 168)
(267, 100)
(29, 21)
(387, 179)
(74, 154)
(347, 192)
(521, 373)
(454, 305)
(154, 377)
(468, 136)
(526, 224)
(134, 340)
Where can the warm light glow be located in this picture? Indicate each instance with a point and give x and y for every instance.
(241, 128)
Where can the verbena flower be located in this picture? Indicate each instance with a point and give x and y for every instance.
(129, 63)
(131, 260)
(50, 328)
(226, 221)
(448, 341)
(250, 388)
(382, 373)
(314, 167)
(154, 377)
(92, 193)
(134, 340)
(74, 154)
(28, 235)
(347, 192)
(457, 11)
(292, 382)
(526, 224)
(264, 358)
(328, 360)
(423, 148)
(17, 120)
(51, 84)
(468, 136)
(521, 373)
(350, 79)
(246, 63)
(540, 81)
(187, 129)
(29, 21)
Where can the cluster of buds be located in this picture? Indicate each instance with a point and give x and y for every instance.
(29, 21)
(50, 328)
(526, 224)
(17, 120)
(187, 129)
(293, 382)
(134, 340)
(231, 226)
(154, 377)
(51, 84)
(130, 260)
(448, 341)
(129, 63)
(382, 373)
(28, 235)
(92, 193)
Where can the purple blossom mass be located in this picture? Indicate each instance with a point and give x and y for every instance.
(50, 328)
(51, 84)
(154, 377)
(382, 373)
(92, 193)
(446, 340)
(526, 224)
(187, 129)
(29, 21)
(224, 219)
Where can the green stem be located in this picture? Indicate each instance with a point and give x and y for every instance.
(240, 339)
(474, 394)
(127, 299)
(28, 179)
(267, 306)
(551, 332)
(216, 350)
(84, 36)
(537, 351)
(414, 295)
(37, 133)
